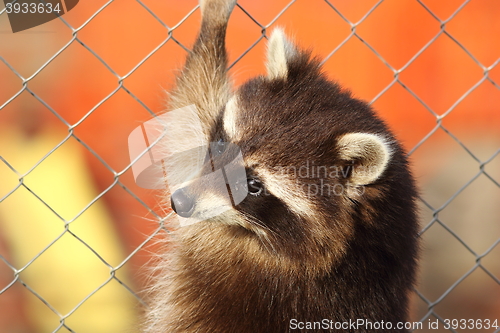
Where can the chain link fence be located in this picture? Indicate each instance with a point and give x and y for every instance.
(13, 270)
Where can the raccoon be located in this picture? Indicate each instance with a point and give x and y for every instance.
(325, 236)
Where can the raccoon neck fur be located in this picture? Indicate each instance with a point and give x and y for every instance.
(220, 279)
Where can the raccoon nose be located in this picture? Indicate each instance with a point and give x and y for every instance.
(182, 203)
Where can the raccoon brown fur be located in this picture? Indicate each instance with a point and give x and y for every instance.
(327, 234)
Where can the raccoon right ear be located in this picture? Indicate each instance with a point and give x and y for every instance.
(279, 53)
(369, 153)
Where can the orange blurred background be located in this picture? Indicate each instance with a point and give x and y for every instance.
(415, 78)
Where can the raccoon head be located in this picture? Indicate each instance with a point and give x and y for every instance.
(316, 162)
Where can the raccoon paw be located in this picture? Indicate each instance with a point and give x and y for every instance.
(217, 10)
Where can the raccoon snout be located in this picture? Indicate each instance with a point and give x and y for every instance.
(182, 203)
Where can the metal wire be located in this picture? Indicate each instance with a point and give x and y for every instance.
(75, 33)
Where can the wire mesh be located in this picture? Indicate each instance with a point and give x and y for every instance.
(171, 31)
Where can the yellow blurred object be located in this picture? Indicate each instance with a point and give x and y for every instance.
(68, 270)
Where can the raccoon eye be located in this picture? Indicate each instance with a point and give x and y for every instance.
(254, 186)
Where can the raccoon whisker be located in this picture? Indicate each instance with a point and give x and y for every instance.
(266, 242)
(263, 232)
(354, 201)
(257, 223)
(264, 237)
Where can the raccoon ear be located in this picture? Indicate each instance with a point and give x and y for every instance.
(370, 154)
(279, 52)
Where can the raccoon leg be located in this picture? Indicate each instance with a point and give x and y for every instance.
(203, 80)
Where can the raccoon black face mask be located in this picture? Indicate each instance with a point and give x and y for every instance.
(320, 227)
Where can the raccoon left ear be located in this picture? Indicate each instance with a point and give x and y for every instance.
(279, 53)
(370, 154)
